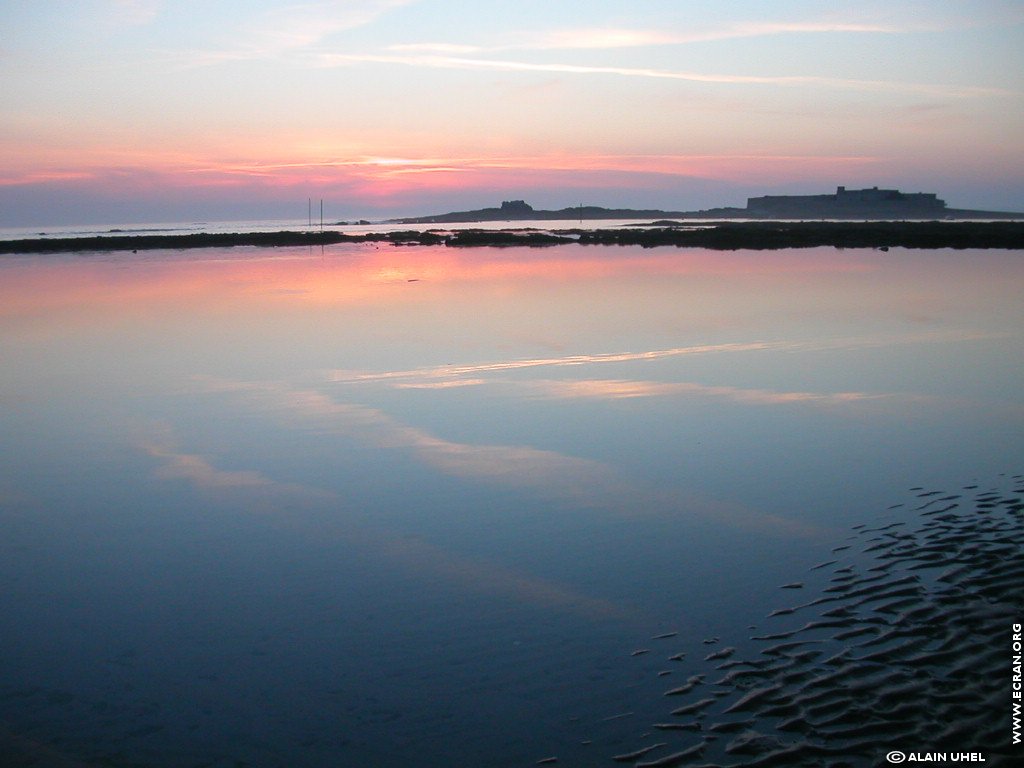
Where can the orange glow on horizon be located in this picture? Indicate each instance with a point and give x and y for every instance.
(380, 177)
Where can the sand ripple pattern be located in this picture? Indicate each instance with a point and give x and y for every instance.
(907, 647)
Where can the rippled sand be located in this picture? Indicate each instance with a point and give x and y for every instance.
(906, 648)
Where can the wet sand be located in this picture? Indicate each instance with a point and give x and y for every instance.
(905, 647)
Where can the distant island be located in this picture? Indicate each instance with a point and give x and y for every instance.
(845, 204)
(519, 210)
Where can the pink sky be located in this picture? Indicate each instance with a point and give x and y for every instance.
(141, 110)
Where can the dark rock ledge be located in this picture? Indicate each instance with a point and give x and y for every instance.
(715, 235)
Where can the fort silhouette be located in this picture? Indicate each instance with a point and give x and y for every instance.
(847, 203)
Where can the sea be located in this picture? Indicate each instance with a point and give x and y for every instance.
(295, 225)
(376, 505)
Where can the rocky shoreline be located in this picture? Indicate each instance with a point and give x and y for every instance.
(757, 235)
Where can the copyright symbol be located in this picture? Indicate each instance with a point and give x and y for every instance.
(895, 756)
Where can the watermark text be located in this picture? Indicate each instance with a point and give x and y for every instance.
(896, 756)
(1015, 684)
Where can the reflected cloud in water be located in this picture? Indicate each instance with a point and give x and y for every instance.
(581, 482)
(440, 384)
(173, 464)
(425, 374)
(566, 477)
(451, 371)
(363, 456)
(613, 389)
(358, 530)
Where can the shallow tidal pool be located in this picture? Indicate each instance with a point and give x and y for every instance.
(387, 506)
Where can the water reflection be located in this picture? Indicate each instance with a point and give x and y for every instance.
(605, 389)
(556, 474)
(513, 365)
(359, 531)
(569, 480)
(364, 482)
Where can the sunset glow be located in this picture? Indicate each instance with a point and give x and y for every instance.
(144, 110)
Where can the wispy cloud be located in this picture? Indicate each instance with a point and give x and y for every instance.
(440, 384)
(302, 32)
(614, 389)
(394, 168)
(294, 28)
(453, 371)
(158, 442)
(409, 552)
(306, 24)
(44, 177)
(571, 480)
(135, 12)
(441, 48)
(611, 37)
(591, 484)
(523, 467)
(449, 376)
(509, 65)
(487, 577)
(199, 471)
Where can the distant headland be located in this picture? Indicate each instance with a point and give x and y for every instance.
(845, 204)
(519, 210)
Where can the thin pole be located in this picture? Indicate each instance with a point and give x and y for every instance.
(321, 215)
(310, 202)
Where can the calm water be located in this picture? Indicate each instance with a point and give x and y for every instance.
(416, 506)
(296, 225)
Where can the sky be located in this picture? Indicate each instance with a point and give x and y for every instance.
(210, 110)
